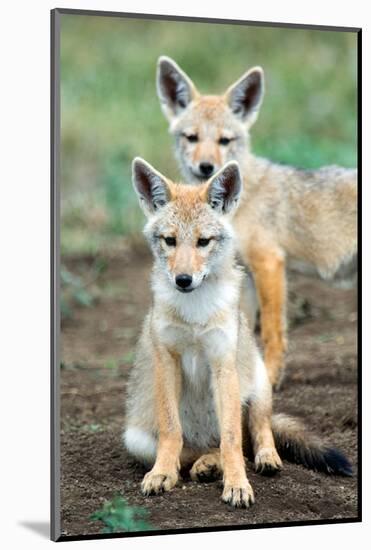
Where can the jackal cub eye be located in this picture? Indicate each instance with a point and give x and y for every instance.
(225, 141)
(192, 138)
(170, 241)
(203, 242)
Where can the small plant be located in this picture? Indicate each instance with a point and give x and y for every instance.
(75, 290)
(118, 516)
(129, 357)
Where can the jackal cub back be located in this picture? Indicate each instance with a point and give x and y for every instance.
(197, 363)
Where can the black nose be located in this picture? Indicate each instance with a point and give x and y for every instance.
(206, 168)
(183, 280)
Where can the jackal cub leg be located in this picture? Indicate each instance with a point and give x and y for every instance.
(237, 489)
(268, 266)
(165, 472)
(267, 460)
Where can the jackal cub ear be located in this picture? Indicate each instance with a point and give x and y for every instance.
(224, 189)
(245, 96)
(151, 186)
(174, 88)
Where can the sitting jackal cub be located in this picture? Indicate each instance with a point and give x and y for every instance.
(199, 386)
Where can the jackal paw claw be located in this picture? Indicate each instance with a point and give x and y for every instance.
(154, 483)
(267, 462)
(238, 496)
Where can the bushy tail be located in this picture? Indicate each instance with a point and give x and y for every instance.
(296, 444)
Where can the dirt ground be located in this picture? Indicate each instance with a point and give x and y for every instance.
(97, 348)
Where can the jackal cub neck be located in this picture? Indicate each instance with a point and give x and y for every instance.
(189, 231)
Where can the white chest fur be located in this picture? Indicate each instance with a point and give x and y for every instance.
(197, 408)
(201, 305)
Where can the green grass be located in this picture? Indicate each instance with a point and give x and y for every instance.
(73, 293)
(77, 290)
(117, 516)
(110, 111)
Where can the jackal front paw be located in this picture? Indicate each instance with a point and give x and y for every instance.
(206, 468)
(155, 482)
(267, 461)
(240, 495)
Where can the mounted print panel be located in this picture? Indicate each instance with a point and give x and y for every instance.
(204, 304)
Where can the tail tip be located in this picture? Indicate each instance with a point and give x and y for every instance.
(337, 463)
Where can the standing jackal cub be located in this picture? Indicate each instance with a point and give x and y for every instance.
(199, 386)
(308, 217)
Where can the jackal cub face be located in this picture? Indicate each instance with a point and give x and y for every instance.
(209, 130)
(187, 228)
